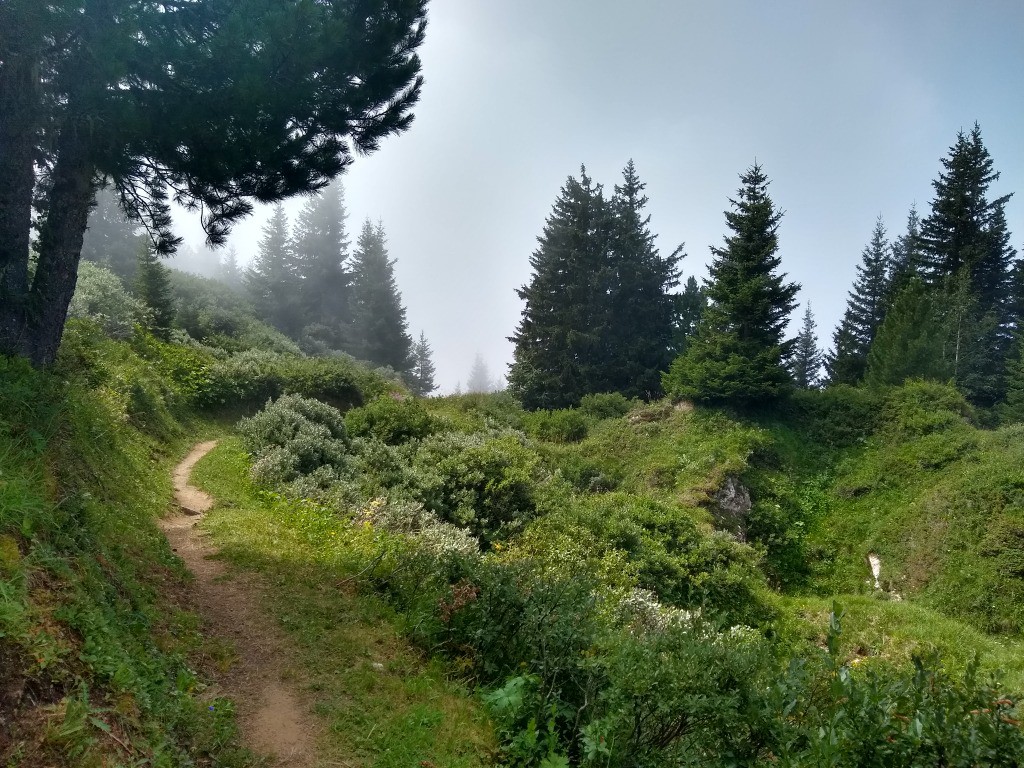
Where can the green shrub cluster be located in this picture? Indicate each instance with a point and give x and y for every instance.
(392, 419)
(566, 425)
(608, 405)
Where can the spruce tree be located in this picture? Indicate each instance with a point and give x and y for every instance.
(153, 288)
(380, 333)
(690, 306)
(479, 376)
(911, 341)
(807, 357)
(640, 308)
(558, 342)
(421, 376)
(228, 271)
(865, 310)
(320, 244)
(1013, 408)
(739, 354)
(966, 253)
(907, 258)
(271, 280)
(111, 239)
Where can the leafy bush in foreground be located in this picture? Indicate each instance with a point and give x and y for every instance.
(390, 419)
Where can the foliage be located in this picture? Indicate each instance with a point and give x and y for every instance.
(739, 355)
(392, 419)
(605, 405)
(153, 288)
(805, 366)
(911, 340)
(100, 296)
(421, 376)
(567, 425)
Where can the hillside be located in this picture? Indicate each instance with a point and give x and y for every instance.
(543, 560)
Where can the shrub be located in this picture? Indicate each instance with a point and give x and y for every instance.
(838, 416)
(392, 419)
(100, 296)
(296, 436)
(920, 408)
(561, 426)
(483, 483)
(608, 405)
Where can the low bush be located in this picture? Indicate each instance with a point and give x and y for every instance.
(608, 405)
(392, 419)
(561, 426)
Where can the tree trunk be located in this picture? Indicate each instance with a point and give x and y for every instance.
(60, 241)
(19, 113)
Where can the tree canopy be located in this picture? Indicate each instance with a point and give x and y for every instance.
(211, 104)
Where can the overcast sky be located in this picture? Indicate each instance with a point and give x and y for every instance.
(848, 106)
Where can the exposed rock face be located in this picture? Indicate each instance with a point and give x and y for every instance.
(731, 506)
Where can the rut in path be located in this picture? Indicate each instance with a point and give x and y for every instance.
(272, 715)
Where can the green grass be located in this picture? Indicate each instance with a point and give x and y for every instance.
(410, 712)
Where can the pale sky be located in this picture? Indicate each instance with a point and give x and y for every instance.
(848, 106)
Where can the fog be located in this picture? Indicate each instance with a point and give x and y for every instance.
(848, 108)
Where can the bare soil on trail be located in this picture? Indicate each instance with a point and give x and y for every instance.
(274, 718)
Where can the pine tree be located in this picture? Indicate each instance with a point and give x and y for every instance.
(480, 376)
(380, 332)
(965, 245)
(153, 288)
(807, 357)
(1013, 409)
(739, 354)
(907, 259)
(640, 308)
(865, 310)
(421, 376)
(111, 239)
(320, 244)
(558, 342)
(911, 340)
(271, 280)
(228, 271)
(690, 306)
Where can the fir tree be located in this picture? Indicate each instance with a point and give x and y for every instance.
(479, 376)
(739, 354)
(910, 342)
(640, 308)
(1013, 409)
(320, 244)
(228, 271)
(558, 353)
(380, 332)
(966, 252)
(907, 258)
(153, 288)
(111, 239)
(807, 357)
(690, 306)
(421, 376)
(865, 310)
(271, 280)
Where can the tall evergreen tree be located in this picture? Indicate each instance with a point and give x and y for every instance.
(380, 333)
(911, 340)
(965, 245)
(1013, 408)
(807, 360)
(153, 288)
(558, 352)
(320, 243)
(739, 354)
(480, 376)
(271, 279)
(421, 376)
(907, 258)
(111, 239)
(228, 271)
(865, 310)
(640, 308)
(690, 306)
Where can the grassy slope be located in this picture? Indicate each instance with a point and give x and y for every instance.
(404, 714)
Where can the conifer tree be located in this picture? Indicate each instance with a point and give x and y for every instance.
(910, 342)
(1013, 409)
(421, 376)
(480, 376)
(690, 306)
(966, 254)
(111, 239)
(807, 357)
(228, 271)
(271, 280)
(558, 353)
(320, 244)
(640, 308)
(739, 354)
(907, 259)
(380, 332)
(865, 310)
(153, 288)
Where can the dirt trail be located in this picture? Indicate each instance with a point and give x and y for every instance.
(273, 718)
